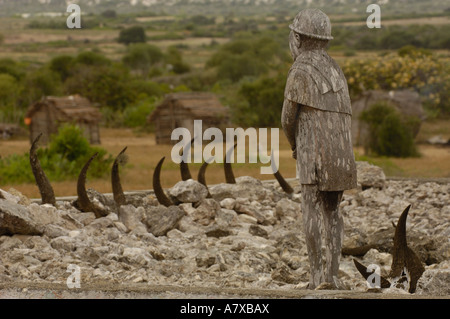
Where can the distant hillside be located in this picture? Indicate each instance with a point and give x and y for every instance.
(221, 7)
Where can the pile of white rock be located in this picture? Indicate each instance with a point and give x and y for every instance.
(247, 235)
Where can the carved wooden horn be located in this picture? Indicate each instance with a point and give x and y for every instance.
(201, 175)
(283, 183)
(45, 188)
(119, 196)
(229, 176)
(403, 256)
(159, 192)
(184, 167)
(84, 203)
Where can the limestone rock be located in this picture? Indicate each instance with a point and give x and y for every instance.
(287, 209)
(9, 197)
(54, 231)
(228, 203)
(206, 211)
(23, 200)
(64, 243)
(256, 230)
(189, 191)
(204, 259)
(434, 282)
(283, 274)
(131, 217)
(226, 217)
(370, 175)
(217, 231)
(161, 219)
(245, 187)
(16, 219)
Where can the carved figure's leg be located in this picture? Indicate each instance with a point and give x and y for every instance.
(312, 224)
(334, 233)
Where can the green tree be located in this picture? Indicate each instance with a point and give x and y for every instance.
(248, 55)
(41, 82)
(92, 59)
(106, 85)
(63, 159)
(141, 57)
(133, 34)
(11, 67)
(110, 14)
(390, 133)
(262, 102)
(175, 59)
(9, 92)
(9, 89)
(62, 65)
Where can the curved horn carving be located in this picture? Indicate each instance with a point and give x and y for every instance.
(119, 196)
(283, 183)
(159, 192)
(229, 176)
(403, 256)
(84, 203)
(184, 167)
(45, 188)
(201, 176)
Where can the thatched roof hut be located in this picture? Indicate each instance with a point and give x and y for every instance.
(181, 109)
(407, 102)
(45, 116)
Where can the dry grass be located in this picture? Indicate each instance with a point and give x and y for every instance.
(144, 154)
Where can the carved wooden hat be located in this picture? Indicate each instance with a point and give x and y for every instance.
(312, 23)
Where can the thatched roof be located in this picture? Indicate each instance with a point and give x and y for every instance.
(201, 105)
(67, 108)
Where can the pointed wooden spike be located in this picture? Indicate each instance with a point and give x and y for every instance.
(201, 176)
(159, 192)
(184, 167)
(283, 183)
(400, 245)
(229, 175)
(83, 202)
(45, 188)
(400, 230)
(403, 256)
(119, 196)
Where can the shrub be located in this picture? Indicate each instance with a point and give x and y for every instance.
(416, 69)
(136, 116)
(142, 57)
(66, 154)
(134, 34)
(390, 133)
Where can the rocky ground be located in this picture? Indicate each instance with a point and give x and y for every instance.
(248, 235)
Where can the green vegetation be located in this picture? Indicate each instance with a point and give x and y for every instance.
(245, 62)
(392, 37)
(410, 68)
(134, 34)
(63, 159)
(390, 134)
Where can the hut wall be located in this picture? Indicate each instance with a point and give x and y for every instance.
(40, 124)
(95, 133)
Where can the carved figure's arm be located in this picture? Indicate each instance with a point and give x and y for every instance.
(289, 116)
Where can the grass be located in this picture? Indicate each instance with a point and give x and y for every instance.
(144, 154)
